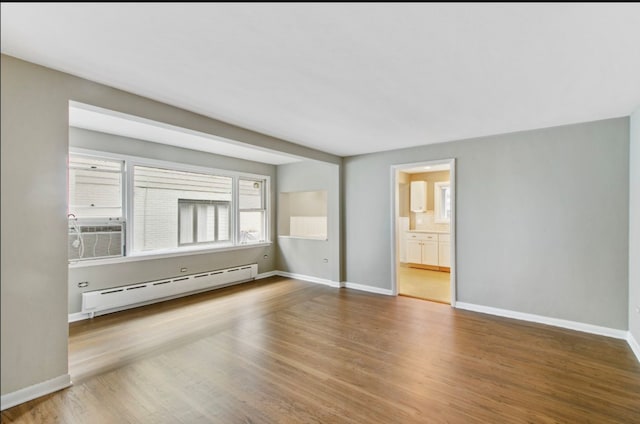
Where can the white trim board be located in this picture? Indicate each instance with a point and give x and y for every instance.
(308, 278)
(78, 316)
(331, 283)
(633, 344)
(40, 389)
(266, 275)
(365, 288)
(394, 215)
(556, 322)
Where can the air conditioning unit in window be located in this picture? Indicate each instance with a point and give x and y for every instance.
(95, 241)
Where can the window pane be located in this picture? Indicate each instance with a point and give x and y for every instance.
(251, 227)
(224, 226)
(206, 220)
(186, 223)
(251, 194)
(95, 187)
(446, 193)
(156, 193)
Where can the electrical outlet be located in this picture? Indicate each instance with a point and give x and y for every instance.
(83, 284)
(265, 256)
(325, 260)
(183, 269)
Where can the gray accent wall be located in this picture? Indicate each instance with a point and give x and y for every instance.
(34, 125)
(34, 273)
(634, 226)
(304, 256)
(113, 275)
(541, 223)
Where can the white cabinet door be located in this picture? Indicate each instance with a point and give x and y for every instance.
(414, 251)
(444, 254)
(430, 253)
(418, 201)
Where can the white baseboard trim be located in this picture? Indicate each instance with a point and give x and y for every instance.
(370, 289)
(78, 316)
(28, 393)
(266, 275)
(633, 344)
(309, 278)
(556, 322)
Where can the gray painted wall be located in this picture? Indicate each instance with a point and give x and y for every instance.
(634, 226)
(542, 220)
(34, 274)
(104, 276)
(302, 256)
(34, 125)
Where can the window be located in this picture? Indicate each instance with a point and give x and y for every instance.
(252, 211)
(442, 197)
(161, 221)
(96, 220)
(203, 221)
(168, 207)
(95, 187)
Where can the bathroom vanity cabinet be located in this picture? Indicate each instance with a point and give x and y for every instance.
(430, 249)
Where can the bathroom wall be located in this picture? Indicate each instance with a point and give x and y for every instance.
(425, 220)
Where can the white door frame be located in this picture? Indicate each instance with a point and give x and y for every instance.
(395, 248)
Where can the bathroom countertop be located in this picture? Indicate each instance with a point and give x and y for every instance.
(429, 231)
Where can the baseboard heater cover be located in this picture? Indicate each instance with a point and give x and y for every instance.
(134, 294)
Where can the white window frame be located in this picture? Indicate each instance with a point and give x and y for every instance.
(104, 220)
(197, 223)
(438, 216)
(264, 208)
(130, 162)
(98, 220)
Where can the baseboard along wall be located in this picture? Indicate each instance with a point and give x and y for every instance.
(35, 391)
(556, 322)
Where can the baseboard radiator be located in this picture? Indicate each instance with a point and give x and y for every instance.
(118, 298)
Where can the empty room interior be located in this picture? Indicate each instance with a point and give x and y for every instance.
(327, 213)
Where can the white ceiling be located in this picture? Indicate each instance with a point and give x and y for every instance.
(350, 78)
(98, 119)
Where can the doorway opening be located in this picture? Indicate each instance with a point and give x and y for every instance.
(423, 215)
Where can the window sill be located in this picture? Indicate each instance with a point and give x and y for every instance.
(164, 255)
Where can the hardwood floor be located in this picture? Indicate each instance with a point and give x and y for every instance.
(286, 351)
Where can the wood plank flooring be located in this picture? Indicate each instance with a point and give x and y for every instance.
(285, 351)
